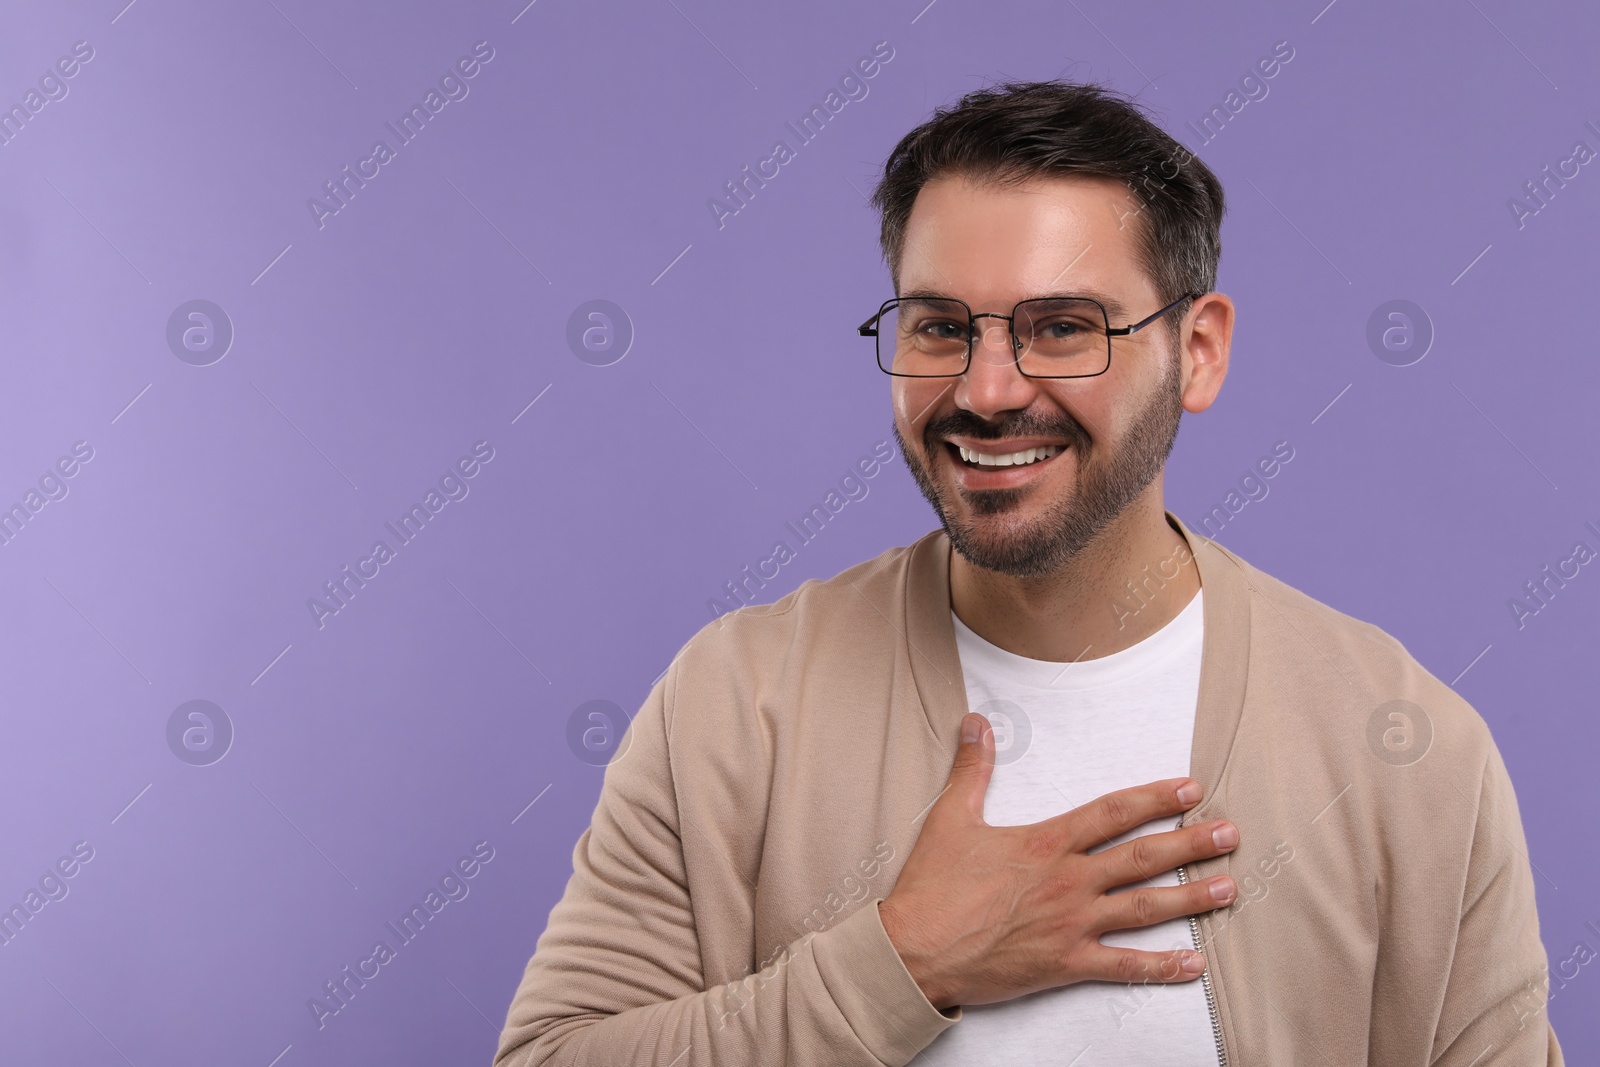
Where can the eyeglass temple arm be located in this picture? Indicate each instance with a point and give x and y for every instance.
(1142, 323)
(870, 327)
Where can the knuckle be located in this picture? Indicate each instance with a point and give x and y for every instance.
(965, 763)
(1127, 967)
(1061, 882)
(1041, 844)
(1140, 854)
(1143, 906)
(1117, 809)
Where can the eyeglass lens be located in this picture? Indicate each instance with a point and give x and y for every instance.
(1055, 337)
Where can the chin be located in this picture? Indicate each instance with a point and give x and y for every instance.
(1010, 545)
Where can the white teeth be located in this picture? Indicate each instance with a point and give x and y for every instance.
(1010, 459)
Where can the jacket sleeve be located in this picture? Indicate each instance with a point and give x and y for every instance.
(1494, 1012)
(617, 976)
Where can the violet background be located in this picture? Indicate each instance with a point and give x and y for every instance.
(431, 311)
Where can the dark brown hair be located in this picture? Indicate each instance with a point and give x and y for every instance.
(1014, 131)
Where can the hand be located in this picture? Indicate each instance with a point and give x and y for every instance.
(986, 913)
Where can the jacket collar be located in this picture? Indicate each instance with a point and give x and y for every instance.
(1224, 657)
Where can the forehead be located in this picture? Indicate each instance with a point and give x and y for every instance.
(990, 243)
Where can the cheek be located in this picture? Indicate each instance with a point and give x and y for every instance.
(1089, 402)
(914, 403)
(1108, 406)
(900, 401)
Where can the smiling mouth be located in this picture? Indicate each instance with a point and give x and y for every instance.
(1002, 460)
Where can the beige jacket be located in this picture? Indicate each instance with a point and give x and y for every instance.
(723, 903)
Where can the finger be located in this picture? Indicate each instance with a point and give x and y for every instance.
(1151, 854)
(1117, 812)
(1145, 907)
(1135, 965)
(973, 766)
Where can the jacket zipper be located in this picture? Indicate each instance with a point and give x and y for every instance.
(1205, 977)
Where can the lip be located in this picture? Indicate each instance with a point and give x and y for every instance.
(1000, 477)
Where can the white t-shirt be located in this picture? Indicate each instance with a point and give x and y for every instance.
(1066, 733)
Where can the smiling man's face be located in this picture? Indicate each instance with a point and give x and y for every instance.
(1109, 434)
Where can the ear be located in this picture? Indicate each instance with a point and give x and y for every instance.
(1207, 332)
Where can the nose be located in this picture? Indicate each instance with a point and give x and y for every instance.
(996, 339)
(993, 383)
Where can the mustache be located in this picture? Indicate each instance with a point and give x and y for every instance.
(964, 423)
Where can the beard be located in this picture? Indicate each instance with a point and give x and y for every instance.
(1100, 493)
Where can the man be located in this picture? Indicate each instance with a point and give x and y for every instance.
(816, 851)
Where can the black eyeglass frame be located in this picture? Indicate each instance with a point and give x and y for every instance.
(870, 329)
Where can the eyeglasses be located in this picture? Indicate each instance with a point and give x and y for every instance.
(1051, 337)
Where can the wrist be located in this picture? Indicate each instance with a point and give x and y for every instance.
(916, 963)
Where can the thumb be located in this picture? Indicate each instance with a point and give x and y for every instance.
(974, 763)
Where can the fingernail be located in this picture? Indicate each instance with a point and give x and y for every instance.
(1194, 963)
(1222, 890)
(1189, 792)
(969, 728)
(1225, 836)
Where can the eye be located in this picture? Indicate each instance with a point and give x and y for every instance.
(943, 330)
(1064, 328)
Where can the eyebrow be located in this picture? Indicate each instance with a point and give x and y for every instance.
(1114, 307)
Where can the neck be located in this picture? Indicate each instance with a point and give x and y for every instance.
(1128, 583)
